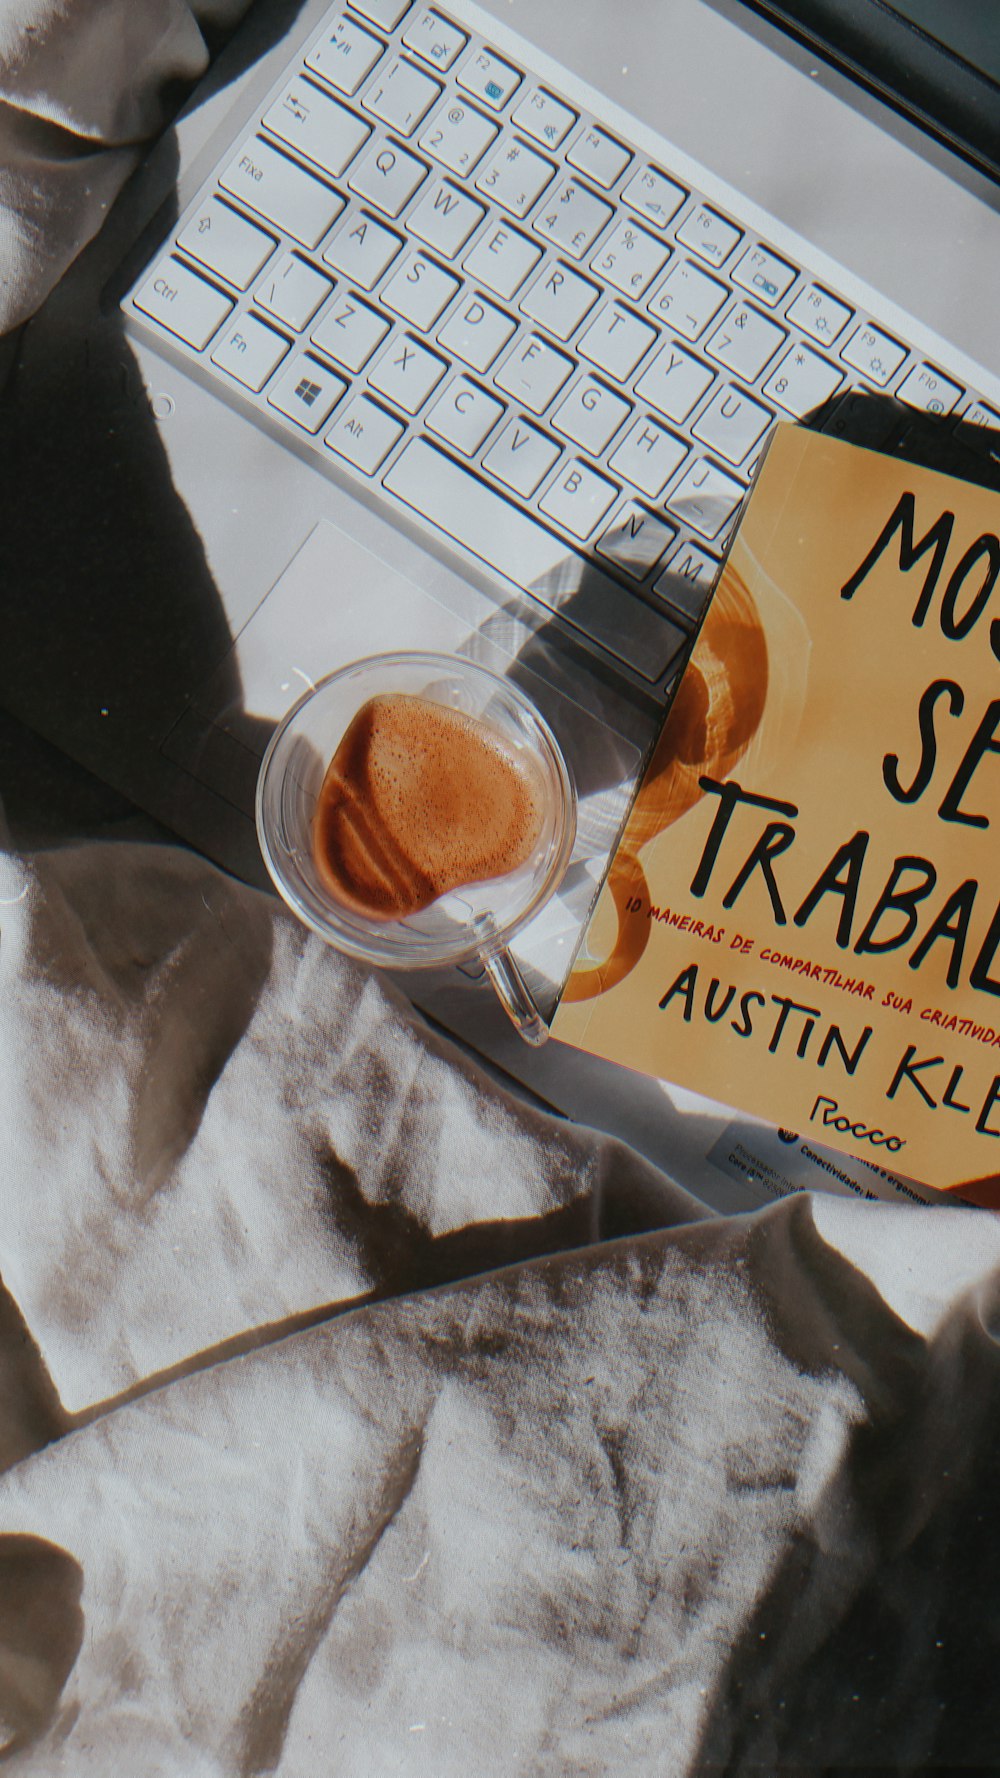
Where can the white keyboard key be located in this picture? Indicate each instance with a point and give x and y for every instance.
(559, 299)
(407, 373)
(249, 350)
(573, 218)
(307, 392)
(819, 314)
(445, 218)
(978, 414)
(458, 136)
(802, 381)
(578, 499)
(386, 14)
(521, 457)
(648, 456)
(599, 157)
(616, 341)
(764, 274)
(281, 191)
(687, 580)
(434, 39)
(476, 332)
(688, 299)
(745, 342)
(350, 331)
(361, 248)
(709, 235)
(732, 424)
(184, 303)
(489, 78)
(630, 258)
(226, 242)
(419, 291)
(292, 291)
(929, 390)
(317, 127)
(388, 177)
(502, 259)
(705, 498)
(548, 120)
(512, 544)
(515, 176)
(654, 195)
(873, 353)
(534, 373)
(401, 96)
(591, 415)
(345, 55)
(363, 434)
(464, 416)
(674, 382)
(636, 541)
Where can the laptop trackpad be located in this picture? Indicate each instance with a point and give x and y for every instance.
(336, 602)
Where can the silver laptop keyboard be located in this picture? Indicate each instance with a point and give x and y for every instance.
(456, 284)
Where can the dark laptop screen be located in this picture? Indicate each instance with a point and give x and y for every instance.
(936, 62)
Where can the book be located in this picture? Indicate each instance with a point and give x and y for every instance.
(802, 916)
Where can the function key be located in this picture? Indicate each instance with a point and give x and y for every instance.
(434, 39)
(765, 274)
(978, 414)
(874, 354)
(599, 156)
(401, 96)
(384, 13)
(547, 119)
(345, 55)
(819, 314)
(488, 78)
(927, 389)
(709, 235)
(654, 195)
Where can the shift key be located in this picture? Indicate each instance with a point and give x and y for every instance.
(509, 541)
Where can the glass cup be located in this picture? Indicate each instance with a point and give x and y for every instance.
(476, 920)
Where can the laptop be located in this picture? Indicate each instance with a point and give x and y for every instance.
(463, 327)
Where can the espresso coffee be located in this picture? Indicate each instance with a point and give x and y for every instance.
(420, 799)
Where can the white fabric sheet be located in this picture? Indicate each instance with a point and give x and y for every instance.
(716, 1495)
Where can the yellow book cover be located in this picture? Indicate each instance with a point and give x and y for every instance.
(802, 918)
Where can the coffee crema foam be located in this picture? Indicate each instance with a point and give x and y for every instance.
(420, 799)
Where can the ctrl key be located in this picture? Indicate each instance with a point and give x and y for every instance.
(182, 302)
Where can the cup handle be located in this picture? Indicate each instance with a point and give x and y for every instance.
(515, 996)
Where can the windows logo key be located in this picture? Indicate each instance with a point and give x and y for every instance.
(307, 391)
